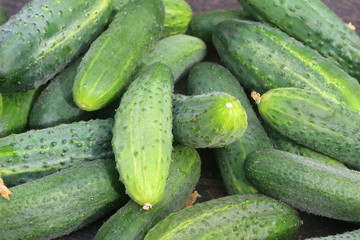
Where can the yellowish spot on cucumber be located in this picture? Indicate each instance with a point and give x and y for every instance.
(4, 191)
(256, 96)
(147, 206)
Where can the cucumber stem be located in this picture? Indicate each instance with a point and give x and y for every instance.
(4, 191)
(256, 96)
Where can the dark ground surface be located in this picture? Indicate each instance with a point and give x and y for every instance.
(210, 185)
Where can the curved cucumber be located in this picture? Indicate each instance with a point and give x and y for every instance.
(234, 217)
(209, 120)
(36, 153)
(62, 202)
(113, 58)
(306, 184)
(208, 77)
(142, 140)
(264, 58)
(353, 235)
(131, 223)
(46, 35)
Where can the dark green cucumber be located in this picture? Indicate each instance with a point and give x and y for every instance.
(131, 223)
(209, 77)
(209, 120)
(307, 184)
(248, 216)
(113, 58)
(178, 52)
(55, 105)
(313, 23)
(314, 121)
(62, 202)
(36, 153)
(203, 24)
(3, 16)
(46, 35)
(264, 58)
(142, 140)
(16, 111)
(178, 14)
(353, 235)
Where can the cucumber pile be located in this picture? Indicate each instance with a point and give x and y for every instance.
(94, 121)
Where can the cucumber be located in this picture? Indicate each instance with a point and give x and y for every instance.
(209, 120)
(36, 153)
(131, 223)
(203, 24)
(113, 58)
(264, 58)
(3, 16)
(1, 106)
(16, 111)
(62, 202)
(208, 77)
(55, 105)
(352, 235)
(307, 184)
(178, 52)
(46, 35)
(142, 141)
(248, 216)
(314, 121)
(313, 23)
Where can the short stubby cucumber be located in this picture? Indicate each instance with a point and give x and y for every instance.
(130, 223)
(3, 16)
(307, 184)
(314, 121)
(178, 52)
(142, 141)
(263, 58)
(36, 153)
(46, 35)
(112, 59)
(208, 77)
(62, 202)
(248, 216)
(55, 105)
(352, 235)
(313, 23)
(209, 120)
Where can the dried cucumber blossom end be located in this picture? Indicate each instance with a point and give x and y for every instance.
(192, 199)
(4, 191)
(352, 27)
(256, 96)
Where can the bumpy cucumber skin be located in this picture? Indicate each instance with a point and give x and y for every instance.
(46, 35)
(206, 121)
(55, 105)
(314, 121)
(353, 235)
(179, 52)
(142, 141)
(248, 216)
(62, 202)
(306, 184)
(263, 58)
(113, 58)
(208, 77)
(3, 16)
(313, 23)
(131, 223)
(203, 24)
(36, 153)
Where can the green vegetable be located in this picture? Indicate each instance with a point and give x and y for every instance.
(178, 14)
(3, 16)
(353, 235)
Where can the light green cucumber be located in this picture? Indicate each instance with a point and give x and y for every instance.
(178, 14)
(248, 216)
(352, 235)
(208, 77)
(131, 223)
(142, 141)
(108, 66)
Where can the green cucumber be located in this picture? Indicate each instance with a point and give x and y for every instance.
(314, 121)
(16, 111)
(46, 35)
(307, 184)
(142, 141)
(209, 77)
(131, 223)
(313, 23)
(248, 216)
(1, 106)
(113, 58)
(203, 24)
(209, 120)
(36, 153)
(55, 105)
(178, 52)
(62, 202)
(3, 16)
(352, 235)
(264, 58)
